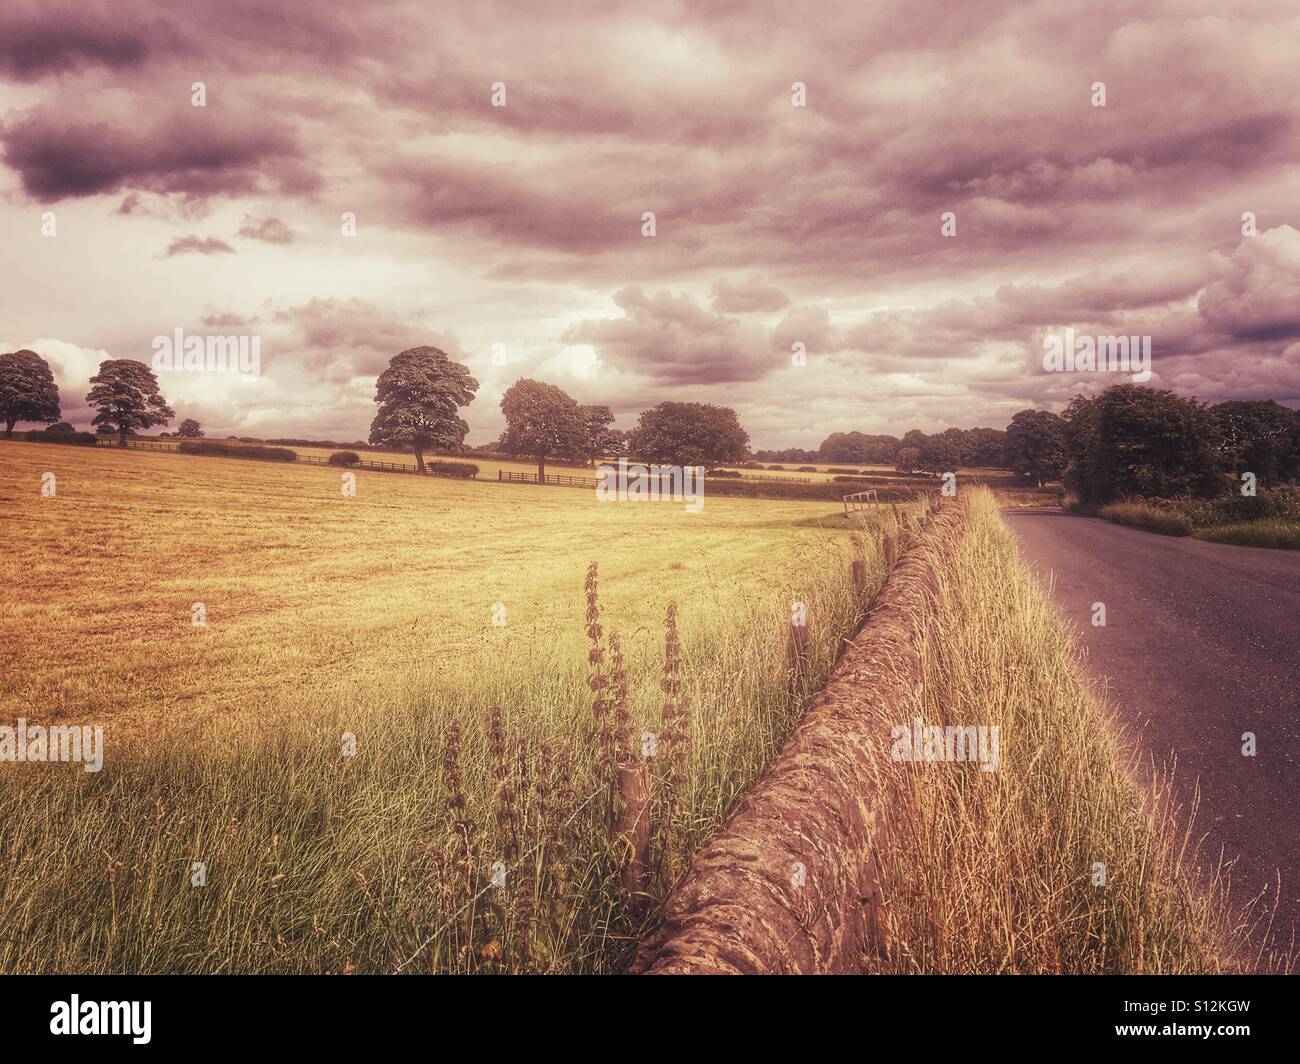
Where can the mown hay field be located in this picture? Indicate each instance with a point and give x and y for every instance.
(373, 616)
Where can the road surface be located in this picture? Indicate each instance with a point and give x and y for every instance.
(1201, 644)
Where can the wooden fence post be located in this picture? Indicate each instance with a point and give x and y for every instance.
(632, 828)
(860, 576)
(891, 550)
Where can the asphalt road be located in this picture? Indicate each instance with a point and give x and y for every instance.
(1200, 645)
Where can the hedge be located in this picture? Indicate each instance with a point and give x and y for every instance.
(218, 449)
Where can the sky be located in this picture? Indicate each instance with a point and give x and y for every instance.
(1115, 168)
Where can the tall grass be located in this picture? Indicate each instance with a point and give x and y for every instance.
(994, 872)
(457, 839)
(1278, 533)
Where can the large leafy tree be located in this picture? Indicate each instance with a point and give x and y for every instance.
(689, 434)
(190, 429)
(543, 421)
(1036, 446)
(600, 438)
(1258, 437)
(27, 390)
(941, 453)
(907, 459)
(1135, 441)
(125, 393)
(419, 395)
(986, 447)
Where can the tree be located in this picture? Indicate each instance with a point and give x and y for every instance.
(125, 393)
(844, 447)
(419, 395)
(190, 429)
(27, 390)
(1258, 437)
(542, 421)
(600, 439)
(1135, 441)
(986, 447)
(1036, 446)
(907, 459)
(689, 434)
(940, 453)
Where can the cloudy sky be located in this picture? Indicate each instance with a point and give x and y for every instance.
(518, 229)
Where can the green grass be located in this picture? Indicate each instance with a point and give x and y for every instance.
(1275, 532)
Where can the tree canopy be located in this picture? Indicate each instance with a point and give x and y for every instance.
(419, 395)
(689, 434)
(1035, 446)
(125, 393)
(543, 421)
(27, 390)
(1135, 441)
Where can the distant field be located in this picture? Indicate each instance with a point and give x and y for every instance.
(302, 585)
(488, 467)
(371, 616)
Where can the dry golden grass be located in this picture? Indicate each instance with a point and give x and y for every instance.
(993, 872)
(306, 588)
(369, 615)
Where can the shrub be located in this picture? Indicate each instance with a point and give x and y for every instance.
(807, 469)
(345, 458)
(1144, 515)
(230, 450)
(1280, 535)
(752, 465)
(1281, 502)
(779, 469)
(60, 428)
(79, 439)
(452, 469)
(724, 473)
(789, 488)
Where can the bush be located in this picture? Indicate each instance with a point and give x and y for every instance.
(1144, 515)
(779, 469)
(79, 439)
(230, 450)
(752, 465)
(807, 469)
(724, 473)
(789, 488)
(1280, 535)
(1281, 503)
(345, 458)
(452, 469)
(61, 428)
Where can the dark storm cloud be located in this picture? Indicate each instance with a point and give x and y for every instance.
(60, 156)
(40, 39)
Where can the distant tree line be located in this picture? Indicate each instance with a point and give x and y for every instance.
(1127, 441)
